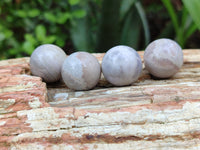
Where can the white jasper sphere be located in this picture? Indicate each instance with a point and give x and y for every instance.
(46, 62)
(81, 71)
(121, 65)
(163, 58)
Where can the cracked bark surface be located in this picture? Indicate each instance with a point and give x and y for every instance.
(150, 114)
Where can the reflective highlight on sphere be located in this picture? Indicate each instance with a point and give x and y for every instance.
(81, 71)
(163, 58)
(121, 65)
(46, 62)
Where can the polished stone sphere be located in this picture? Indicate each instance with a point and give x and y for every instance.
(81, 71)
(121, 65)
(163, 58)
(46, 62)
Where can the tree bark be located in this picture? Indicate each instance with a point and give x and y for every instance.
(150, 114)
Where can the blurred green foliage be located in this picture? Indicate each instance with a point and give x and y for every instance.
(26, 24)
(193, 7)
(90, 25)
(182, 21)
(109, 23)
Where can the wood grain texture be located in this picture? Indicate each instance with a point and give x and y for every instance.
(150, 114)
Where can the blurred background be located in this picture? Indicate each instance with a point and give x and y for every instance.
(95, 25)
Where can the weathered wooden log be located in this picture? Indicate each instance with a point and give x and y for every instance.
(150, 114)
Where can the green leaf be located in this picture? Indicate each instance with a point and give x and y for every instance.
(193, 7)
(2, 36)
(190, 31)
(172, 14)
(33, 12)
(131, 29)
(125, 7)
(79, 13)
(73, 2)
(30, 38)
(28, 47)
(50, 17)
(5, 33)
(63, 17)
(50, 39)
(40, 32)
(21, 13)
(168, 31)
(184, 16)
(144, 22)
(81, 35)
(60, 41)
(8, 33)
(12, 51)
(9, 18)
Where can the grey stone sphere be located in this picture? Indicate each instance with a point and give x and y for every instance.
(121, 65)
(163, 58)
(81, 71)
(46, 62)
